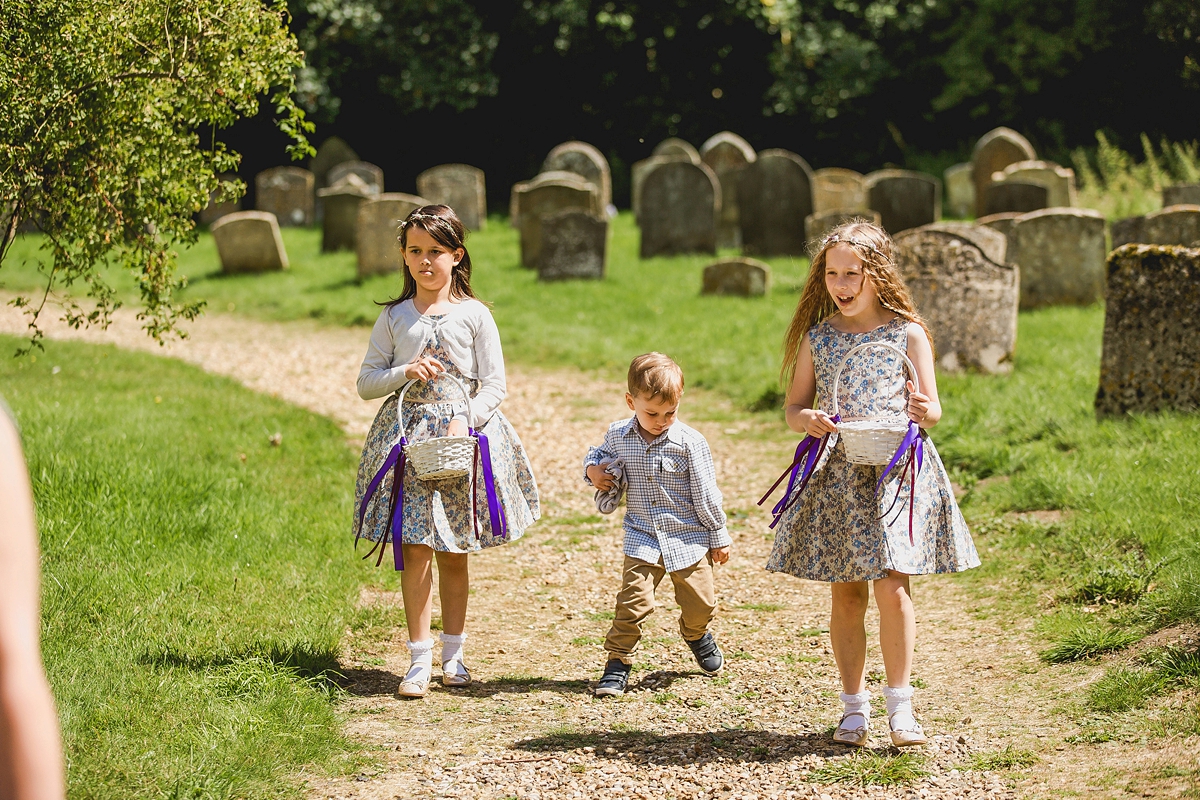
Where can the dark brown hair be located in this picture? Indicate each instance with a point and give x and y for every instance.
(655, 375)
(441, 223)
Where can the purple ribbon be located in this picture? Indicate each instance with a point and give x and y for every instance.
(914, 446)
(495, 509)
(808, 453)
(395, 458)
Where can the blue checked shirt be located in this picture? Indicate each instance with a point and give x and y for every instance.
(672, 506)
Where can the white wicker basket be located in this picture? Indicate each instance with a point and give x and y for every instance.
(872, 440)
(444, 456)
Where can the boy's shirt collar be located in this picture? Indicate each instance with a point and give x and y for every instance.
(674, 433)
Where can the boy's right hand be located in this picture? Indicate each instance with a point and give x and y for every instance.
(423, 369)
(600, 478)
(817, 423)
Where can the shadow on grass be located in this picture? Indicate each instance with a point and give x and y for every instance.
(306, 659)
(696, 748)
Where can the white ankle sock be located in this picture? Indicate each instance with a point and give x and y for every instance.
(421, 666)
(859, 704)
(899, 708)
(452, 648)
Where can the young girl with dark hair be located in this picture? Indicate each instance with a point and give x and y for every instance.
(438, 326)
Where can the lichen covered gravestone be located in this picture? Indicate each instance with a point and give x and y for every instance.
(550, 193)
(774, 199)
(368, 173)
(837, 189)
(377, 229)
(637, 178)
(960, 190)
(1011, 196)
(968, 299)
(999, 222)
(286, 192)
(1061, 255)
(459, 186)
(680, 203)
(744, 277)
(574, 245)
(333, 151)
(1181, 194)
(904, 199)
(727, 154)
(249, 241)
(816, 225)
(994, 151)
(677, 147)
(1058, 180)
(1151, 356)
(585, 161)
(340, 220)
(1172, 225)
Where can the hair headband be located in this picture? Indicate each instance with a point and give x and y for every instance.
(839, 239)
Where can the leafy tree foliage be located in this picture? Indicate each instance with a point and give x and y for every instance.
(107, 133)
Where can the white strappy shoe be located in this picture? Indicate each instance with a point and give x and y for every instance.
(907, 736)
(857, 737)
(455, 673)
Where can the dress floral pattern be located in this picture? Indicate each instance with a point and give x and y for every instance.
(838, 530)
(438, 513)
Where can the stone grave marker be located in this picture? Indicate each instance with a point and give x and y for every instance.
(341, 202)
(637, 178)
(969, 300)
(586, 161)
(904, 199)
(1014, 196)
(999, 222)
(727, 154)
(368, 173)
(562, 176)
(744, 277)
(214, 210)
(286, 192)
(333, 151)
(1059, 181)
(1061, 255)
(960, 190)
(1178, 225)
(574, 245)
(377, 230)
(816, 226)
(680, 204)
(837, 189)
(994, 151)
(774, 199)
(677, 147)
(1183, 194)
(546, 194)
(249, 241)
(1151, 356)
(993, 243)
(459, 186)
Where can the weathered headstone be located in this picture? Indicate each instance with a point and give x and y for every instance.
(249, 241)
(960, 190)
(968, 298)
(999, 198)
(459, 186)
(286, 192)
(993, 243)
(333, 151)
(1151, 356)
(561, 176)
(774, 199)
(1183, 194)
(637, 178)
(340, 222)
(677, 147)
(368, 173)
(574, 245)
(214, 210)
(994, 151)
(744, 277)
(1061, 255)
(1179, 225)
(547, 194)
(1059, 181)
(586, 161)
(1000, 222)
(837, 189)
(680, 204)
(377, 230)
(727, 154)
(904, 199)
(817, 225)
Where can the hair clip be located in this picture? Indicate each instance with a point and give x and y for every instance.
(838, 239)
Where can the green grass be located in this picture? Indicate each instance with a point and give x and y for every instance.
(866, 768)
(1008, 758)
(192, 601)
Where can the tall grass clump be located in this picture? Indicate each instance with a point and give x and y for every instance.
(1113, 182)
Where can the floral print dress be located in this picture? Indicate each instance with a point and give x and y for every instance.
(437, 514)
(838, 530)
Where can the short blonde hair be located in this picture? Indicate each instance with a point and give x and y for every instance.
(655, 375)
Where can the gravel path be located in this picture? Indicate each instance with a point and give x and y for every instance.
(529, 729)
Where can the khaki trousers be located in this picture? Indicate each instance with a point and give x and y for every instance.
(694, 592)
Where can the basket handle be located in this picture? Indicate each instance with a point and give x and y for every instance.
(400, 403)
(837, 376)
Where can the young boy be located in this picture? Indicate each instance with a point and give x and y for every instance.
(673, 518)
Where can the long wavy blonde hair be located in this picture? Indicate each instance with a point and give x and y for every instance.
(873, 247)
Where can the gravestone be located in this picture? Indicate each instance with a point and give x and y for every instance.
(586, 161)
(816, 226)
(1181, 194)
(333, 151)
(837, 189)
(999, 222)
(680, 204)
(1059, 181)
(637, 178)
(1151, 356)
(960, 190)
(774, 199)
(249, 241)
(341, 202)
(518, 189)
(727, 154)
(1178, 225)
(1009, 196)
(904, 199)
(994, 151)
(214, 210)
(459, 186)
(1061, 255)
(968, 298)
(994, 246)
(744, 277)
(574, 245)
(377, 230)
(546, 194)
(676, 147)
(286, 192)
(368, 173)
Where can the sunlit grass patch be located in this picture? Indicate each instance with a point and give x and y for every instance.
(867, 768)
(1089, 641)
(1008, 758)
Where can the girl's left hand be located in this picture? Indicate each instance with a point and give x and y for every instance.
(457, 428)
(918, 404)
